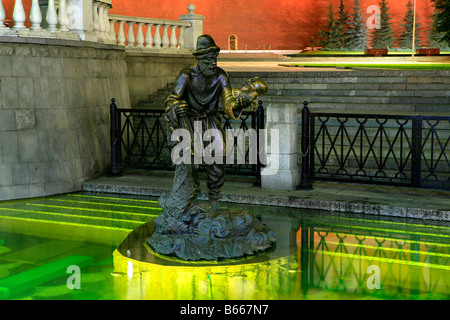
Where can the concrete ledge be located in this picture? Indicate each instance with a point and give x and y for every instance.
(328, 196)
(61, 42)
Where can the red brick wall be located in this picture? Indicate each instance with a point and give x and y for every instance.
(283, 24)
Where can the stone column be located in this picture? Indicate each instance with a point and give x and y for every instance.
(192, 33)
(282, 171)
(81, 19)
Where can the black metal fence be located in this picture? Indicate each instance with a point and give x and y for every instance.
(400, 150)
(140, 140)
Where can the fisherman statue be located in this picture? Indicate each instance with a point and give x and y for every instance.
(188, 228)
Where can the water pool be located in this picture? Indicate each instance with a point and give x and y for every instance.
(319, 255)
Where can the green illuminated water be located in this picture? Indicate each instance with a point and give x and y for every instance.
(319, 255)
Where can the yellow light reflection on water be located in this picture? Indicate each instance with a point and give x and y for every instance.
(329, 266)
(270, 279)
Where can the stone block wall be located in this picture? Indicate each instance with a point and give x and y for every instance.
(54, 113)
(148, 72)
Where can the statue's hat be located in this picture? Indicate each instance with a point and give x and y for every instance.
(205, 44)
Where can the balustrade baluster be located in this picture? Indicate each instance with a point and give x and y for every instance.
(157, 36)
(173, 37)
(63, 19)
(165, 38)
(51, 17)
(181, 40)
(140, 35)
(121, 35)
(106, 21)
(112, 30)
(19, 15)
(95, 19)
(35, 16)
(149, 36)
(2, 16)
(101, 21)
(130, 37)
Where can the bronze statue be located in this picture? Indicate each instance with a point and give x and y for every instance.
(189, 229)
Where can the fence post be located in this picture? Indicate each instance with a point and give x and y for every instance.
(115, 141)
(305, 182)
(416, 163)
(259, 131)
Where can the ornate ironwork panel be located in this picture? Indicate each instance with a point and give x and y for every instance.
(373, 148)
(140, 139)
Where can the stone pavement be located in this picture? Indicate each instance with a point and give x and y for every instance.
(377, 200)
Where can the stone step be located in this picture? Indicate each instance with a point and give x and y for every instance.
(363, 90)
(350, 92)
(151, 104)
(376, 176)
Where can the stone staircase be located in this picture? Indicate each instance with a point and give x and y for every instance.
(156, 101)
(374, 91)
(362, 91)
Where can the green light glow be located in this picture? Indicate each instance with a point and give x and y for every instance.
(392, 230)
(73, 224)
(109, 204)
(386, 260)
(111, 198)
(390, 222)
(397, 239)
(88, 209)
(31, 278)
(390, 249)
(70, 215)
(338, 272)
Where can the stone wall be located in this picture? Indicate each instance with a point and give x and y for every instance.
(148, 72)
(54, 113)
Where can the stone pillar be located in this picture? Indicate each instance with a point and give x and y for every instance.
(81, 19)
(192, 33)
(282, 171)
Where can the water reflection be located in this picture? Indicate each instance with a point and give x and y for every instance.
(316, 257)
(382, 263)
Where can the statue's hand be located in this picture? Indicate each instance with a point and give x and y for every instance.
(241, 103)
(181, 110)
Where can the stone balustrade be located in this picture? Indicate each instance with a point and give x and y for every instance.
(62, 19)
(150, 34)
(90, 20)
(154, 35)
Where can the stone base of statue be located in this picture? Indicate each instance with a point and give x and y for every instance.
(191, 230)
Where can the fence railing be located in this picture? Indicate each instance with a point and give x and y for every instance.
(91, 21)
(64, 19)
(148, 33)
(140, 140)
(373, 148)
